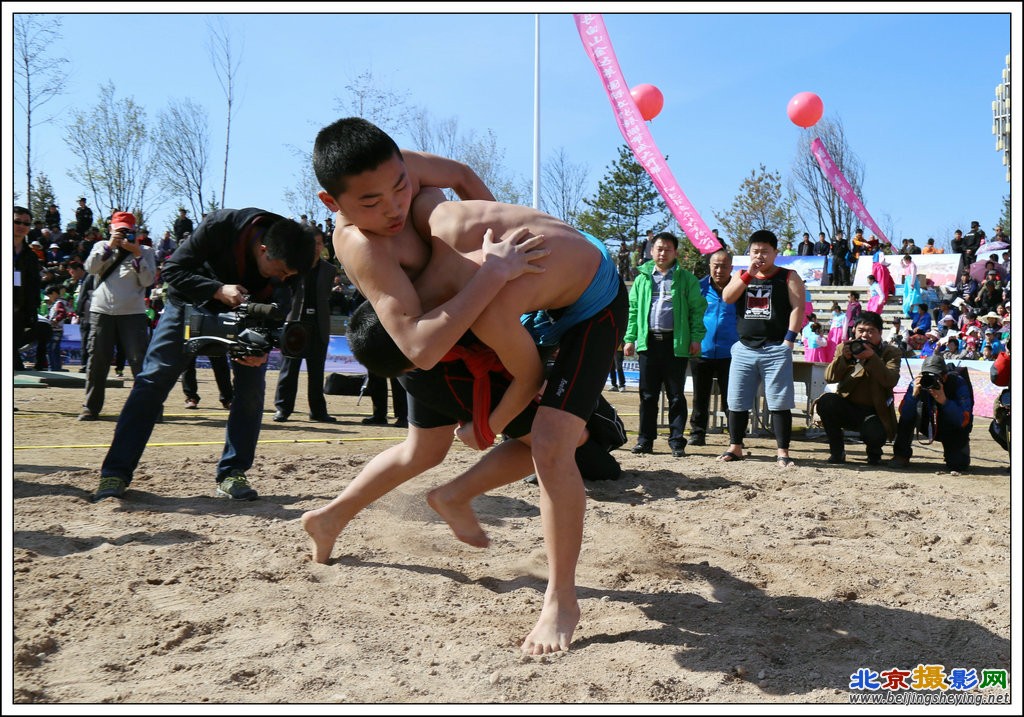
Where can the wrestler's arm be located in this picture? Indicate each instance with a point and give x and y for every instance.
(431, 170)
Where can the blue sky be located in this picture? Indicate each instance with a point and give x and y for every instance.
(913, 91)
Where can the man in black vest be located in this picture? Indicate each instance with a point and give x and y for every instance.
(770, 314)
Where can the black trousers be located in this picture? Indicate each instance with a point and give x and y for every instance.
(704, 371)
(377, 389)
(661, 368)
(221, 373)
(288, 379)
(839, 414)
(616, 375)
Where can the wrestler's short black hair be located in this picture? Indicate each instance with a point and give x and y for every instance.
(871, 318)
(372, 345)
(763, 236)
(348, 147)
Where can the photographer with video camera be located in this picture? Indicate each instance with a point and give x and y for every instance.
(940, 405)
(866, 370)
(234, 265)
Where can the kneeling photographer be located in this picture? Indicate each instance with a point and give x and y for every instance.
(866, 371)
(940, 405)
(234, 257)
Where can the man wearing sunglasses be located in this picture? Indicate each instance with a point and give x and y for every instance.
(26, 290)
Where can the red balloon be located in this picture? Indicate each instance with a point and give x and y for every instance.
(649, 100)
(805, 109)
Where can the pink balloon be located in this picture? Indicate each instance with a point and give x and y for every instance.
(805, 109)
(649, 100)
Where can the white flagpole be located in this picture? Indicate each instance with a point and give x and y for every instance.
(536, 111)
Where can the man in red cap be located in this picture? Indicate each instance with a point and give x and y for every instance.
(124, 269)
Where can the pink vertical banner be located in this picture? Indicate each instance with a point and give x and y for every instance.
(842, 186)
(634, 129)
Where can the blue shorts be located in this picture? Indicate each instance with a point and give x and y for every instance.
(773, 364)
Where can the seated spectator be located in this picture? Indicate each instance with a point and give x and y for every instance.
(970, 349)
(866, 370)
(930, 344)
(951, 348)
(940, 405)
(988, 298)
(947, 326)
(991, 341)
(916, 341)
(920, 318)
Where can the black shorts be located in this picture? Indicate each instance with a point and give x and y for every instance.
(443, 396)
(580, 370)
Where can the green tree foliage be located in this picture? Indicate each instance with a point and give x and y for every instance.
(626, 205)
(1004, 219)
(42, 196)
(760, 204)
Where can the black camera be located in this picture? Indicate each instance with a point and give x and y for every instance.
(249, 330)
(856, 346)
(930, 381)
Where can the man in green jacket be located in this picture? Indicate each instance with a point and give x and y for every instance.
(666, 327)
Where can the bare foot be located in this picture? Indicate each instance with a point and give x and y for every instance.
(321, 536)
(554, 628)
(460, 518)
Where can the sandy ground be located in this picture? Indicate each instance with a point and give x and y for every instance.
(699, 582)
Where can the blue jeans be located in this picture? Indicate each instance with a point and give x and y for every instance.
(164, 362)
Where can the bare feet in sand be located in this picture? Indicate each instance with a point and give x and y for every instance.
(460, 518)
(553, 631)
(321, 536)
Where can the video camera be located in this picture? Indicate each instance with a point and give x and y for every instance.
(249, 330)
(856, 346)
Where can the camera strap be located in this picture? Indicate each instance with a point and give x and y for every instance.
(121, 254)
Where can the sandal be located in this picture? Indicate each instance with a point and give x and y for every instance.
(785, 462)
(729, 457)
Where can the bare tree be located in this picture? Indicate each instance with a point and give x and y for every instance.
(115, 152)
(367, 97)
(301, 197)
(816, 197)
(226, 56)
(38, 78)
(563, 186)
(182, 148)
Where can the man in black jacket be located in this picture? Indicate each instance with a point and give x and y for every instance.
(26, 292)
(83, 217)
(182, 225)
(235, 256)
(310, 306)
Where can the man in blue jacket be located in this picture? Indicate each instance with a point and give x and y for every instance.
(940, 405)
(716, 348)
(665, 328)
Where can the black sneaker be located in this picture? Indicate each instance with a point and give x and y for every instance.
(401, 423)
(836, 458)
(678, 452)
(236, 487)
(110, 487)
(643, 448)
(280, 417)
(698, 440)
(374, 421)
(325, 418)
(87, 415)
(874, 459)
